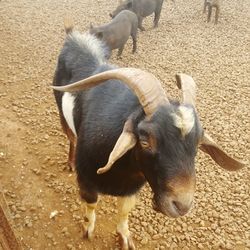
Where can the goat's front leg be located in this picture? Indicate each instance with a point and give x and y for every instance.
(89, 220)
(125, 205)
(120, 52)
(217, 14)
(209, 13)
(205, 6)
(91, 199)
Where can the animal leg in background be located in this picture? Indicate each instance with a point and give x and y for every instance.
(157, 15)
(209, 12)
(205, 6)
(134, 38)
(140, 23)
(217, 14)
(120, 51)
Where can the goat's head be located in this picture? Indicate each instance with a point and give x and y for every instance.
(123, 5)
(165, 142)
(96, 31)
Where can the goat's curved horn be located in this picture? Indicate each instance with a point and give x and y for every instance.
(146, 86)
(187, 85)
(208, 146)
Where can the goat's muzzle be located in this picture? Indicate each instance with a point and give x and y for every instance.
(173, 206)
(177, 201)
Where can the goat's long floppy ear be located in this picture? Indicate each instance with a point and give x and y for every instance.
(208, 146)
(125, 142)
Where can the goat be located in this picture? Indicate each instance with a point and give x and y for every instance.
(142, 8)
(212, 4)
(120, 118)
(116, 33)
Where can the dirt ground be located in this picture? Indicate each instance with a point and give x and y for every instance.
(33, 150)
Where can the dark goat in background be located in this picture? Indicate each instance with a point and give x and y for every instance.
(142, 8)
(116, 33)
(121, 119)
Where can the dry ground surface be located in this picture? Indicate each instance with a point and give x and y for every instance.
(33, 150)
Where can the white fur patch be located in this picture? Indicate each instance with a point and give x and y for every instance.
(68, 103)
(94, 45)
(184, 119)
(125, 205)
(89, 224)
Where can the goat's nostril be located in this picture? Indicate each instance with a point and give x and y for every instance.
(177, 205)
(180, 207)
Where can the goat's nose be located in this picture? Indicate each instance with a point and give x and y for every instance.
(180, 207)
(110, 14)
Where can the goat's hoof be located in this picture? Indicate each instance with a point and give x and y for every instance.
(126, 243)
(88, 233)
(71, 166)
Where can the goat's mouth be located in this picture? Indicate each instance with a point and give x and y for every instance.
(163, 210)
(169, 207)
(111, 15)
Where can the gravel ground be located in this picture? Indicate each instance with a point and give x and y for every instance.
(42, 193)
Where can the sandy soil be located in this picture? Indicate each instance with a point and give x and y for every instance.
(33, 150)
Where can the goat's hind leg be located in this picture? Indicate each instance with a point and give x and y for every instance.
(72, 139)
(157, 15)
(209, 12)
(205, 6)
(217, 14)
(134, 38)
(125, 205)
(140, 23)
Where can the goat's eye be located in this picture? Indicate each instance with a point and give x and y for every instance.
(145, 144)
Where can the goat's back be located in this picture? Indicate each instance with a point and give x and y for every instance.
(80, 56)
(146, 7)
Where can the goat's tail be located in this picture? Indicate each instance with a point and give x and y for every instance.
(68, 25)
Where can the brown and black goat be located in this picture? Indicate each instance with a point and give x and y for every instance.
(121, 119)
